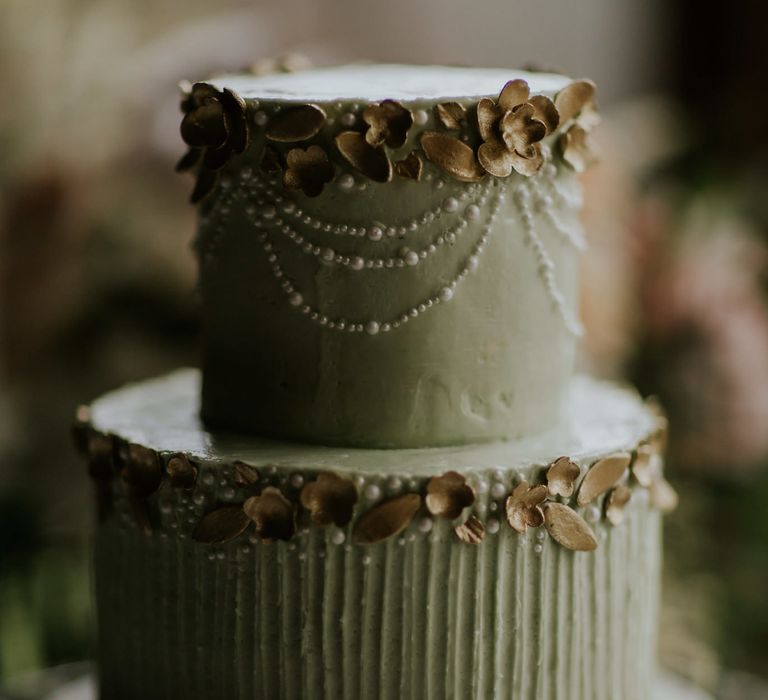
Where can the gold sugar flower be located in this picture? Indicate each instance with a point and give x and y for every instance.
(272, 515)
(329, 499)
(448, 495)
(615, 502)
(307, 170)
(561, 477)
(214, 125)
(388, 123)
(524, 506)
(577, 107)
(512, 129)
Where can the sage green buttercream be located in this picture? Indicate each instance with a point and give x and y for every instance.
(489, 364)
(421, 616)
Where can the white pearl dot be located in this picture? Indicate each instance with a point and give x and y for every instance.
(472, 212)
(538, 548)
(269, 212)
(260, 118)
(450, 204)
(346, 182)
(348, 119)
(592, 514)
(420, 117)
(357, 263)
(493, 526)
(372, 492)
(411, 258)
(425, 524)
(372, 328)
(297, 480)
(295, 299)
(328, 254)
(498, 490)
(375, 233)
(338, 537)
(446, 294)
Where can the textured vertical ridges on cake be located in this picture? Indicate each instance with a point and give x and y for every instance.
(416, 617)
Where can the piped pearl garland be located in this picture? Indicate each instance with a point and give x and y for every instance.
(546, 267)
(296, 299)
(268, 209)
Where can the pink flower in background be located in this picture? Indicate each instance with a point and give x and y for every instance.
(707, 319)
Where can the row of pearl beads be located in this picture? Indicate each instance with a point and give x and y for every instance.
(377, 231)
(406, 257)
(546, 267)
(372, 327)
(543, 204)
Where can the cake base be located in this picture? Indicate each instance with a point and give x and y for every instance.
(425, 588)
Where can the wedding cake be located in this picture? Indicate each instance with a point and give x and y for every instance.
(387, 480)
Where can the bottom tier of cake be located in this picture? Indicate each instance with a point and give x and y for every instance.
(229, 567)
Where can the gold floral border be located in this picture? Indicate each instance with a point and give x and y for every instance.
(327, 498)
(470, 141)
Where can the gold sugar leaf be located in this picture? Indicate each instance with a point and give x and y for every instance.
(615, 502)
(386, 519)
(371, 161)
(181, 472)
(221, 525)
(272, 514)
(448, 495)
(663, 496)
(452, 156)
(245, 474)
(295, 124)
(329, 499)
(410, 167)
(545, 111)
(471, 532)
(451, 114)
(561, 477)
(602, 475)
(143, 472)
(568, 528)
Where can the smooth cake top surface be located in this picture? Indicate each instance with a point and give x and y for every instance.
(163, 414)
(372, 82)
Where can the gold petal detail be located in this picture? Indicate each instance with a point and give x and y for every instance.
(452, 155)
(451, 114)
(524, 506)
(495, 158)
(221, 525)
(568, 528)
(577, 149)
(143, 472)
(545, 111)
(514, 92)
(329, 499)
(561, 477)
(448, 495)
(388, 123)
(295, 124)
(646, 465)
(245, 474)
(272, 514)
(574, 99)
(663, 495)
(386, 519)
(410, 167)
(181, 472)
(472, 531)
(371, 161)
(602, 475)
(488, 116)
(615, 501)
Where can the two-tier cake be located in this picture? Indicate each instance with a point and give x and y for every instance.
(386, 482)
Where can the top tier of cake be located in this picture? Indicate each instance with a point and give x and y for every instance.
(387, 253)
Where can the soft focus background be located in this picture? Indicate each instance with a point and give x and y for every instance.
(97, 280)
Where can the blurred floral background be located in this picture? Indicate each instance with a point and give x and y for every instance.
(97, 279)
